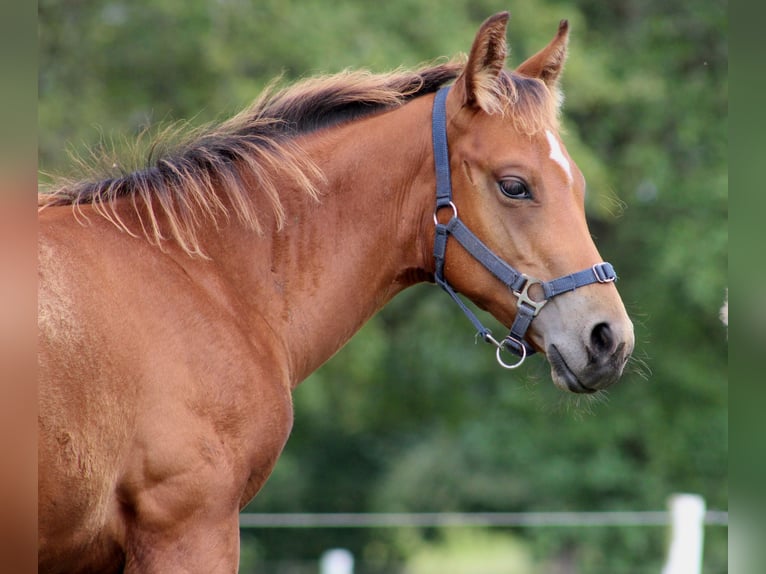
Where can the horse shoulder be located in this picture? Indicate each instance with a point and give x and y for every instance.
(154, 400)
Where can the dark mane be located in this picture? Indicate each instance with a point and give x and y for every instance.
(323, 102)
(209, 173)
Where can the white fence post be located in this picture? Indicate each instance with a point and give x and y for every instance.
(687, 533)
(336, 561)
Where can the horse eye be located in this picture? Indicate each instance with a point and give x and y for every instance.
(514, 188)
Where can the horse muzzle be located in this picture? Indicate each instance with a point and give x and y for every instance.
(595, 365)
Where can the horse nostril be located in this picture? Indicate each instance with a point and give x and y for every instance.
(601, 338)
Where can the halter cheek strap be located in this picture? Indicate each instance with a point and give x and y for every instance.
(518, 283)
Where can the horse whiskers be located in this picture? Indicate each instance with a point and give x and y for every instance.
(640, 367)
(580, 406)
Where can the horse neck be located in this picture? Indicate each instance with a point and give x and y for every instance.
(338, 260)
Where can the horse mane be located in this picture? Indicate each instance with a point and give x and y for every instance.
(210, 172)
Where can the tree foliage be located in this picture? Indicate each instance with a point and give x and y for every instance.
(411, 415)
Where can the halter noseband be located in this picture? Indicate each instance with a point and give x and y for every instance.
(518, 283)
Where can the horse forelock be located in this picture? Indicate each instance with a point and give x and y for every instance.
(531, 105)
(210, 172)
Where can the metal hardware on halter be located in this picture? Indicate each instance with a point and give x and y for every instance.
(454, 213)
(602, 276)
(502, 345)
(518, 283)
(525, 299)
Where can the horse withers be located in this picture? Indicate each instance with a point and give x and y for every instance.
(180, 304)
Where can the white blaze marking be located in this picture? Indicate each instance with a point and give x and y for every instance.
(557, 155)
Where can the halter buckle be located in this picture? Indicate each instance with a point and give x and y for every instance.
(602, 275)
(524, 298)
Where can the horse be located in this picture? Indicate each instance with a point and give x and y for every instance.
(181, 303)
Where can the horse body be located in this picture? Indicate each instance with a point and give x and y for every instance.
(189, 382)
(166, 379)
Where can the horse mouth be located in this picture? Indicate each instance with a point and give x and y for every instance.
(563, 376)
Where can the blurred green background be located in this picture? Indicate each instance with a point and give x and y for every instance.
(411, 415)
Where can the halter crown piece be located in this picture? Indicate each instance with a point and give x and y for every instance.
(518, 283)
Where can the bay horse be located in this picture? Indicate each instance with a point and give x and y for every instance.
(180, 304)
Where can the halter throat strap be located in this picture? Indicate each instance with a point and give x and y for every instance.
(518, 283)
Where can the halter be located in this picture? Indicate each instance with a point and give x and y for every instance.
(518, 283)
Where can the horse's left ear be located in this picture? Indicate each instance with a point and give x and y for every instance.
(548, 63)
(478, 82)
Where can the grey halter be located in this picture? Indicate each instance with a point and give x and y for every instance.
(518, 283)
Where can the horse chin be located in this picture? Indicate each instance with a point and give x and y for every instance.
(582, 381)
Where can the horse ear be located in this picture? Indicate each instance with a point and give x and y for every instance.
(548, 63)
(477, 83)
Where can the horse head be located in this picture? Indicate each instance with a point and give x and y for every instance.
(519, 191)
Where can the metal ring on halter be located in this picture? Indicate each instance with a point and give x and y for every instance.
(454, 212)
(519, 362)
(488, 337)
